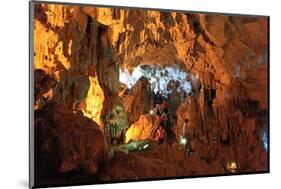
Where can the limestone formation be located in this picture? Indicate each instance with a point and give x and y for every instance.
(67, 141)
(139, 100)
(144, 128)
(43, 86)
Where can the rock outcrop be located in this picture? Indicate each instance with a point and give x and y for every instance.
(115, 118)
(43, 86)
(74, 48)
(139, 100)
(144, 128)
(66, 141)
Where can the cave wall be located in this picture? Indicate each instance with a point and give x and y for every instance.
(62, 49)
(217, 49)
(74, 49)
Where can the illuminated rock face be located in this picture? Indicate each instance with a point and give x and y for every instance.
(144, 128)
(161, 79)
(74, 49)
(60, 49)
(94, 101)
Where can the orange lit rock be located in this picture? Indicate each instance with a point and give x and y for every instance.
(51, 53)
(144, 128)
(94, 101)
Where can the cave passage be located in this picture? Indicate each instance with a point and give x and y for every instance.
(161, 79)
(156, 92)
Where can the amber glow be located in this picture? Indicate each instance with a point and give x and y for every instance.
(48, 47)
(94, 101)
(232, 166)
(132, 133)
(142, 128)
(48, 94)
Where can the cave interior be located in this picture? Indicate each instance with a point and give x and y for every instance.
(107, 80)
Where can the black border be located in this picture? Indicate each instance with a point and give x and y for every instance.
(31, 154)
(32, 181)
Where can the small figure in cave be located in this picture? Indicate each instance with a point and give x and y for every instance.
(165, 106)
(158, 98)
(184, 128)
(160, 134)
(186, 136)
(154, 99)
(158, 110)
(164, 119)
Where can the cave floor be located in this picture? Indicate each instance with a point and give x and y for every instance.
(158, 161)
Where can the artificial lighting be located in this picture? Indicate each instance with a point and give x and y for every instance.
(94, 101)
(145, 147)
(183, 141)
(158, 78)
(232, 167)
(151, 112)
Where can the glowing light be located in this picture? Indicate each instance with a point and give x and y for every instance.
(49, 54)
(48, 94)
(145, 146)
(183, 141)
(158, 78)
(151, 112)
(232, 166)
(130, 79)
(265, 140)
(94, 101)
